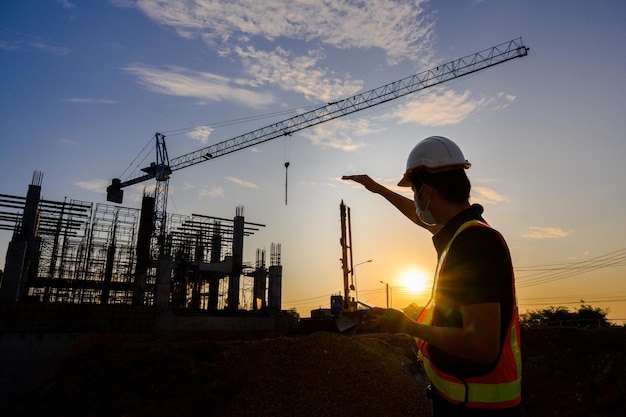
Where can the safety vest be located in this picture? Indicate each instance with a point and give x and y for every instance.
(500, 388)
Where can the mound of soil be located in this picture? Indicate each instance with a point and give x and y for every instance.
(567, 372)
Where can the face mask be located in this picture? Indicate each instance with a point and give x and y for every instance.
(425, 215)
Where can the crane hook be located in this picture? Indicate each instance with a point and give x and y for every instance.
(286, 171)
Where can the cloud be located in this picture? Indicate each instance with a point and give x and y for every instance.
(123, 4)
(441, 107)
(484, 195)
(97, 186)
(241, 182)
(212, 192)
(201, 134)
(49, 48)
(536, 232)
(11, 41)
(66, 4)
(9, 46)
(65, 141)
(340, 133)
(178, 81)
(188, 186)
(246, 30)
(502, 101)
(401, 29)
(299, 74)
(90, 100)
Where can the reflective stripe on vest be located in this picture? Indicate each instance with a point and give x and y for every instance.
(501, 388)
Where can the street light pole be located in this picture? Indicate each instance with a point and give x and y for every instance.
(386, 291)
(353, 272)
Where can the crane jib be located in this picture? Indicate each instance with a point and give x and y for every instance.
(400, 88)
(429, 78)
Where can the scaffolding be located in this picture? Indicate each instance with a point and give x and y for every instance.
(197, 241)
(77, 252)
(61, 227)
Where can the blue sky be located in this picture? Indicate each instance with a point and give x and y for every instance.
(85, 86)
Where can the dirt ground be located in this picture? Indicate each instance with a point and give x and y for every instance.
(567, 372)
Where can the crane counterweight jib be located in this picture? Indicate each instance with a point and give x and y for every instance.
(115, 193)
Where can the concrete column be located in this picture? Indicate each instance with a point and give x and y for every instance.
(163, 282)
(14, 264)
(259, 289)
(235, 275)
(22, 260)
(214, 277)
(275, 288)
(143, 249)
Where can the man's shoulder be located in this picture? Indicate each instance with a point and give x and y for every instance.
(480, 231)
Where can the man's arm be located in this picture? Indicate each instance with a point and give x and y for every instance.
(478, 340)
(405, 205)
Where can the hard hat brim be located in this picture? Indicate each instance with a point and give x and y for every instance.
(406, 178)
(405, 181)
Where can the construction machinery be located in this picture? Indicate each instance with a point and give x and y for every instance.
(163, 167)
(346, 309)
(346, 312)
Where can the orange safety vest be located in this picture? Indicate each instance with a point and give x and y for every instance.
(500, 388)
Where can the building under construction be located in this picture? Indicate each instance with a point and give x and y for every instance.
(78, 274)
(76, 252)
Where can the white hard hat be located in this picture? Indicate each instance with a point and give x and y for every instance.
(433, 154)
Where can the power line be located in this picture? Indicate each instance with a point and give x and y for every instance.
(537, 275)
(543, 274)
(237, 121)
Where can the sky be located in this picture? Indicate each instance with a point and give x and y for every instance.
(86, 85)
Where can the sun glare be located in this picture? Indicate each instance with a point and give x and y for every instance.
(415, 281)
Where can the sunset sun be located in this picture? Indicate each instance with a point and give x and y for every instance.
(415, 280)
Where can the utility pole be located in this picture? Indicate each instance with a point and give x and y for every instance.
(353, 273)
(386, 291)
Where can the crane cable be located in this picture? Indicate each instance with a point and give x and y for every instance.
(287, 153)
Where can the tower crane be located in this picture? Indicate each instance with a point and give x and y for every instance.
(163, 167)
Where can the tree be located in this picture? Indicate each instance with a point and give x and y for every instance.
(589, 314)
(413, 310)
(293, 318)
(585, 317)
